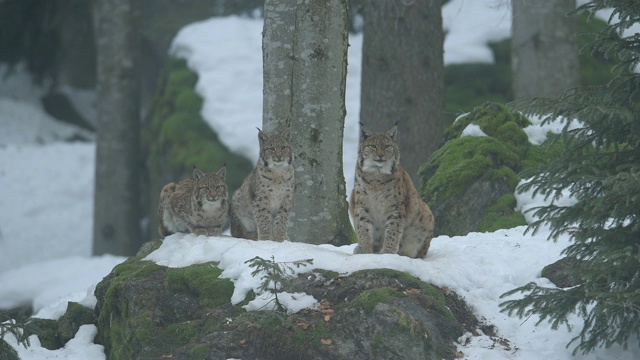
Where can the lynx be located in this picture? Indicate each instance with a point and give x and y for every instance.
(389, 216)
(197, 204)
(260, 207)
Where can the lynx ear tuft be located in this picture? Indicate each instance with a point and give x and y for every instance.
(222, 172)
(262, 136)
(197, 173)
(286, 133)
(393, 131)
(364, 132)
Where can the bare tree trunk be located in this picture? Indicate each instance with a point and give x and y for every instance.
(403, 75)
(305, 66)
(544, 50)
(116, 208)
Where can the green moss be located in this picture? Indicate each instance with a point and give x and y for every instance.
(202, 280)
(327, 274)
(198, 352)
(47, 331)
(312, 335)
(499, 157)
(502, 215)
(462, 161)
(115, 324)
(368, 299)
(75, 316)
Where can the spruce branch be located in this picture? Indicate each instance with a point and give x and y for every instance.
(274, 275)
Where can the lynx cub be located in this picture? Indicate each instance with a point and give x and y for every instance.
(389, 215)
(197, 205)
(260, 207)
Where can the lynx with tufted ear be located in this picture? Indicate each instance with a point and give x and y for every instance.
(388, 214)
(260, 207)
(197, 204)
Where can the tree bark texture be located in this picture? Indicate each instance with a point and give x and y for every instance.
(403, 75)
(116, 208)
(544, 50)
(305, 65)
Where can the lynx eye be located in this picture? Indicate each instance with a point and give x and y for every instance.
(387, 147)
(271, 149)
(370, 146)
(284, 148)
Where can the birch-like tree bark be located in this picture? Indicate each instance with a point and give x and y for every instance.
(116, 228)
(305, 65)
(403, 75)
(544, 50)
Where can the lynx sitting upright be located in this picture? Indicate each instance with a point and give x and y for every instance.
(197, 205)
(260, 207)
(389, 215)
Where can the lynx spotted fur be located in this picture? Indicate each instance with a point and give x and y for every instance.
(260, 207)
(197, 204)
(389, 215)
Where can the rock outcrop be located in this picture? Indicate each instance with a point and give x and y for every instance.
(150, 311)
(469, 183)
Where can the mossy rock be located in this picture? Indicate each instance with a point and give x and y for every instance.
(470, 182)
(47, 332)
(149, 311)
(69, 323)
(177, 138)
(54, 334)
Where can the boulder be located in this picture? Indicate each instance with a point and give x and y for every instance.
(470, 181)
(150, 311)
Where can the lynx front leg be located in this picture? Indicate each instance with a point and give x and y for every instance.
(280, 226)
(281, 220)
(263, 223)
(364, 231)
(392, 233)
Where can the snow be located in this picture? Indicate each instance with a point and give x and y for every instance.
(473, 130)
(47, 205)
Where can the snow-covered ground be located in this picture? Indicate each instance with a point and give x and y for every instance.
(46, 207)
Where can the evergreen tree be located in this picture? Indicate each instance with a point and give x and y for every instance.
(600, 167)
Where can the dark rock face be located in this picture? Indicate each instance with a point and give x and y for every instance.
(558, 272)
(146, 311)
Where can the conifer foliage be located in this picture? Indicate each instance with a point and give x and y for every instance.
(600, 167)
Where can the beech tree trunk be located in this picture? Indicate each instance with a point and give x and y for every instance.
(403, 75)
(116, 208)
(544, 50)
(305, 65)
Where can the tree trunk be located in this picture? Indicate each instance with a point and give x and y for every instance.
(116, 208)
(544, 50)
(403, 75)
(305, 66)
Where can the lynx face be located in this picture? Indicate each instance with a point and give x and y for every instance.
(275, 150)
(378, 151)
(210, 187)
(197, 205)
